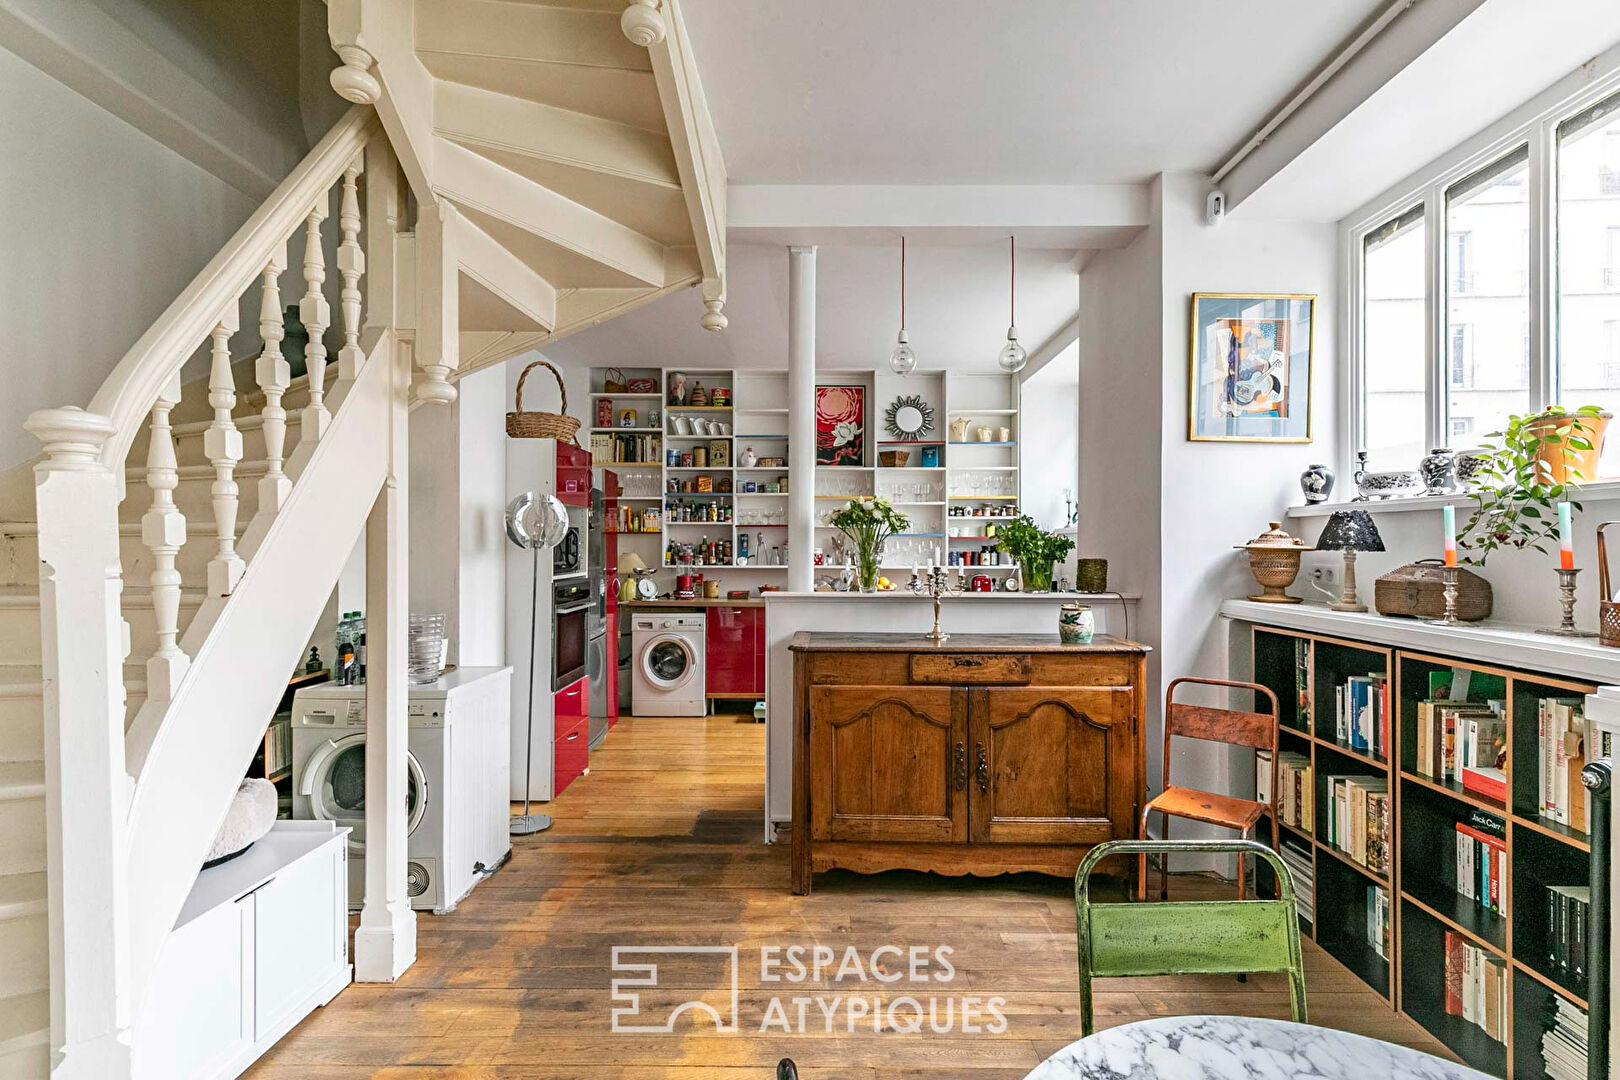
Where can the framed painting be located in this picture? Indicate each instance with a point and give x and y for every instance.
(1251, 367)
(840, 425)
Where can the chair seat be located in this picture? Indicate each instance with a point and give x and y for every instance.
(1224, 810)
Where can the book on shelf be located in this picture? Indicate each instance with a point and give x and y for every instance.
(1476, 986)
(1482, 859)
(1380, 921)
(1302, 683)
(1359, 818)
(1564, 1040)
(1489, 782)
(1361, 717)
(1562, 731)
(1567, 912)
(622, 448)
(1297, 857)
(1452, 735)
(1295, 795)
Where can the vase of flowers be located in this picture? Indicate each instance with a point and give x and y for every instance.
(869, 522)
(1034, 549)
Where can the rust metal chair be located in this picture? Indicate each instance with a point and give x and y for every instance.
(1234, 727)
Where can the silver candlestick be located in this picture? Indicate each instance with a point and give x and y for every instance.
(933, 583)
(1566, 597)
(1448, 575)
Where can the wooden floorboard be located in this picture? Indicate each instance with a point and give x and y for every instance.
(659, 845)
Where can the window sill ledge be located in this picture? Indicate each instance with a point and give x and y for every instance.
(1600, 491)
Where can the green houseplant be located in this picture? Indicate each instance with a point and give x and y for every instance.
(1518, 483)
(869, 522)
(1034, 549)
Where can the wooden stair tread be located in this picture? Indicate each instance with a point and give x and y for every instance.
(22, 895)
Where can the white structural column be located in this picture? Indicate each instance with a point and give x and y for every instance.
(385, 943)
(801, 416)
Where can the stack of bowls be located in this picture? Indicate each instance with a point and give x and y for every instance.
(424, 659)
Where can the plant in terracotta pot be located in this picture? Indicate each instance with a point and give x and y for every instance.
(1034, 549)
(1525, 470)
(869, 522)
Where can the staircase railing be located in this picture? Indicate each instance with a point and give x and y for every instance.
(130, 818)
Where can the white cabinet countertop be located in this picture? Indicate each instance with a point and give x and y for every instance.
(978, 598)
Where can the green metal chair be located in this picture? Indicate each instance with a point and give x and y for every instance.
(1207, 937)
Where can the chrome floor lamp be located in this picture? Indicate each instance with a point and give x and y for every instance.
(536, 523)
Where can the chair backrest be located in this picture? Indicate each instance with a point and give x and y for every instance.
(1187, 937)
(1257, 730)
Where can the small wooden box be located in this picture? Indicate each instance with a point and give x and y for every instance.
(1418, 590)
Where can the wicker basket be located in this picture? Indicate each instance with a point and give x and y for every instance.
(893, 459)
(613, 381)
(1418, 590)
(542, 425)
(1608, 607)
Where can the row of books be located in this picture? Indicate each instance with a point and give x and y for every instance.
(1358, 819)
(1561, 733)
(1296, 792)
(1456, 735)
(278, 745)
(1302, 683)
(1361, 714)
(1476, 986)
(1563, 1041)
(610, 448)
(1297, 857)
(1380, 921)
(1482, 859)
(1567, 914)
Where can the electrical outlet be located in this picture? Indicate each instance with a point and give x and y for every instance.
(1325, 575)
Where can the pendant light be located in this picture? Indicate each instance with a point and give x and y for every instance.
(1012, 355)
(903, 360)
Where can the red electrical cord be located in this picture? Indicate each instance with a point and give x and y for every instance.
(1012, 282)
(902, 281)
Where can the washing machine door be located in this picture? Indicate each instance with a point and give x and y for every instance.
(668, 662)
(335, 783)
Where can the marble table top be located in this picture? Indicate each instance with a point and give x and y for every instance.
(1239, 1048)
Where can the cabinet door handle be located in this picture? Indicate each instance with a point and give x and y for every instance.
(961, 766)
(982, 771)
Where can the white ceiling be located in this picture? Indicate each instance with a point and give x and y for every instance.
(956, 310)
(1026, 92)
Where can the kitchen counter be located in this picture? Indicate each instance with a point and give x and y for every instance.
(981, 643)
(950, 598)
(701, 602)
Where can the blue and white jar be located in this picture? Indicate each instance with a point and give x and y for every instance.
(1076, 624)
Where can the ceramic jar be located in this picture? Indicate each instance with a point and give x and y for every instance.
(1076, 624)
(1439, 471)
(959, 429)
(1274, 562)
(747, 459)
(1317, 483)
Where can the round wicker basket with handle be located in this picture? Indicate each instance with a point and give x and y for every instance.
(542, 425)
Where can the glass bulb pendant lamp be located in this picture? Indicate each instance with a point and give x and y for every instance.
(903, 358)
(1012, 357)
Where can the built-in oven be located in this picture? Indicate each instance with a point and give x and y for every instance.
(571, 604)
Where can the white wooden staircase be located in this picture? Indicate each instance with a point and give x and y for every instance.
(163, 564)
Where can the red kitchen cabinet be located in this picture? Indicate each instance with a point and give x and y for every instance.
(572, 739)
(573, 475)
(735, 647)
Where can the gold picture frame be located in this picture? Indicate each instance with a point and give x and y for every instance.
(1251, 367)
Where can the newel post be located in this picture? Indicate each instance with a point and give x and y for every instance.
(83, 645)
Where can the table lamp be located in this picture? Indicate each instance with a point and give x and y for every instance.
(1350, 531)
(629, 564)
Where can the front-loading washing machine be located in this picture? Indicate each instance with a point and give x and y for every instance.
(456, 761)
(667, 658)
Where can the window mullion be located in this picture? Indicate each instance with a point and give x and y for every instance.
(1435, 397)
(1543, 268)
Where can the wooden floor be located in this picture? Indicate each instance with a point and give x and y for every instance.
(660, 846)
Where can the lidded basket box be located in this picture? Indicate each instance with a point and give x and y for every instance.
(1418, 590)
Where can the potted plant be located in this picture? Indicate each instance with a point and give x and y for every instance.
(1034, 549)
(869, 522)
(1525, 470)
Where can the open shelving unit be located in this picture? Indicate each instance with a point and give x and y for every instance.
(1303, 669)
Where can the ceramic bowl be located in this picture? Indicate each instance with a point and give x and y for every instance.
(1395, 484)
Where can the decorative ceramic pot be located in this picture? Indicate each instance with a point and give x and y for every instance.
(1393, 484)
(1562, 463)
(699, 397)
(1274, 562)
(1470, 463)
(747, 459)
(959, 429)
(1439, 471)
(1317, 483)
(1076, 624)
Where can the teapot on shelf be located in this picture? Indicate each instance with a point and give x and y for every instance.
(959, 429)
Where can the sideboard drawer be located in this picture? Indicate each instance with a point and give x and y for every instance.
(963, 669)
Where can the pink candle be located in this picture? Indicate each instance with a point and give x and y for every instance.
(1449, 520)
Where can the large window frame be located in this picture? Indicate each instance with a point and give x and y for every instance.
(1533, 127)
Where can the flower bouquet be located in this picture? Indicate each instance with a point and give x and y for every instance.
(869, 522)
(1034, 549)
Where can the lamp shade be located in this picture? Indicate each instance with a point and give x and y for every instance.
(1350, 530)
(630, 562)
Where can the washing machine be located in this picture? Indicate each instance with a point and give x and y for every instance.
(667, 659)
(455, 779)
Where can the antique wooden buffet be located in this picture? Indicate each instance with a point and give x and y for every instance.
(984, 754)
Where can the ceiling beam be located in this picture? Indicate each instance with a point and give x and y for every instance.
(1051, 348)
(944, 206)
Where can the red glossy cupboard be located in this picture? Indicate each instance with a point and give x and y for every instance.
(571, 745)
(735, 640)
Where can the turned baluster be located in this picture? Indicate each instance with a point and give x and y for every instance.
(163, 529)
(316, 315)
(351, 262)
(273, 374)
(222, 443)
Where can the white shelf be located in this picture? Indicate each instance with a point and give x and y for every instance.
(984, 468)
(777, 412)
(939, 503)
(981, 442)
(771, 494)
(846, 468)
(627, 397)
(625, 430)
(696, 468)
(983, 412)
(762, 468)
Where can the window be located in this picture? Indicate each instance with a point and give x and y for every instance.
(1393, 276)
(1488, 301)
(1588, 262)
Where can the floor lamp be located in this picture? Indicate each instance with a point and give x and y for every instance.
(536, 523)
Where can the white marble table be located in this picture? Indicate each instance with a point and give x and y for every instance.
(1239, 1048)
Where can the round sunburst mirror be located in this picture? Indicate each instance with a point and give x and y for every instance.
(909, 418)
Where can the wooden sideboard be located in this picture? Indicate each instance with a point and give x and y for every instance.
(986, 754)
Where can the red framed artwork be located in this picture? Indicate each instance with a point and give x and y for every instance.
(840, 425)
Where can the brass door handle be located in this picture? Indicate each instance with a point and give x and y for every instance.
(961, 766)
(983, 770)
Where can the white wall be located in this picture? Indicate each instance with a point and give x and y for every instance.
(1049, 443)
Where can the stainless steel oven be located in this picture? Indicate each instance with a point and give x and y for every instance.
(571, 604)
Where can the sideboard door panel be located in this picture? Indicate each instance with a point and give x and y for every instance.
(1059, 765)
(887, 763)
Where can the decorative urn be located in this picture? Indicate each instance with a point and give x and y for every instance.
(1274, 562)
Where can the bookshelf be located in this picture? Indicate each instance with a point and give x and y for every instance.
(1440, 903)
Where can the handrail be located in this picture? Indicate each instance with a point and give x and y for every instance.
(133, 387)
